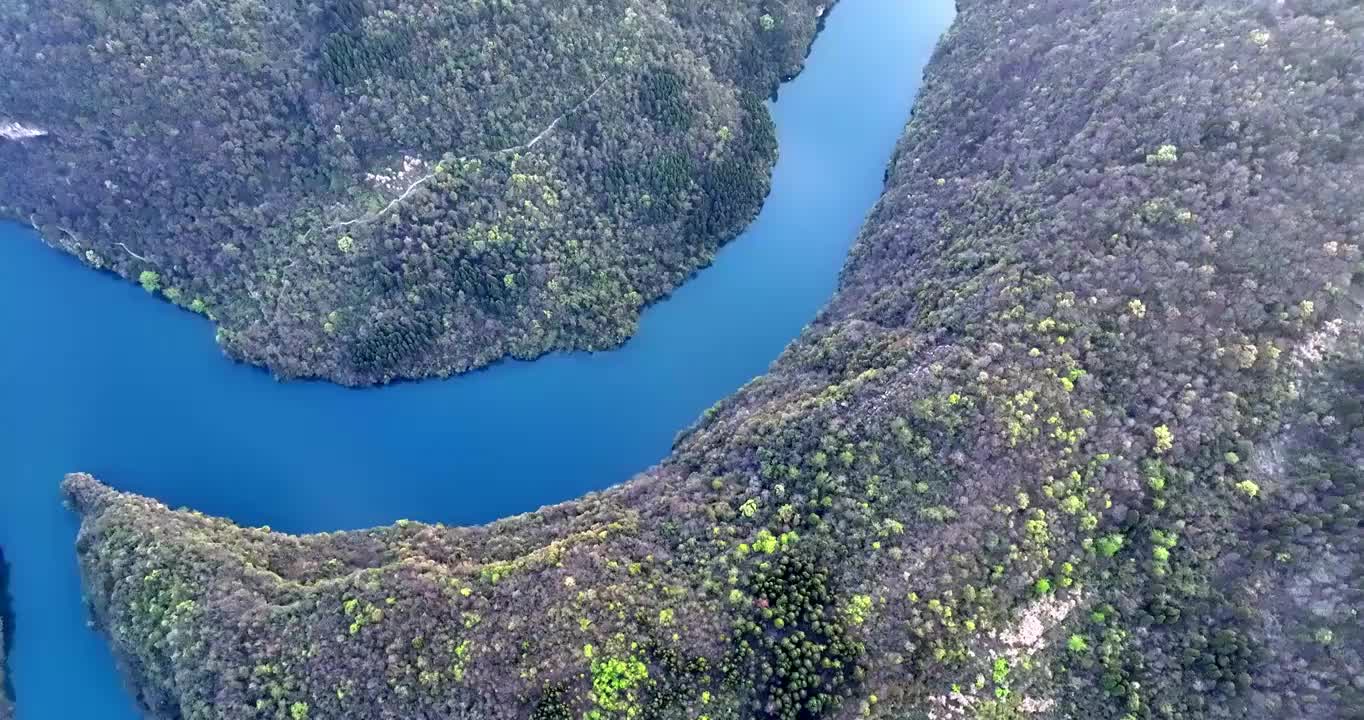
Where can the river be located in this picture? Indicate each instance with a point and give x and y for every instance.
(96, 375)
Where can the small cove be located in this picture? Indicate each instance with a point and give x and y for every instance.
(97, 376)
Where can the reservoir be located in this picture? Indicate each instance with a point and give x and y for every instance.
(97, 376)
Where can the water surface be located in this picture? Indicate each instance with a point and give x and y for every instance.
(97, 376)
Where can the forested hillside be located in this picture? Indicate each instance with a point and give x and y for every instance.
(1081, 436)
(371, 189)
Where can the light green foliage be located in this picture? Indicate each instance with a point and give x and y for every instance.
(857, 608)
(150, 280)
(458, 667)
(766, 542)
(1160, 554)
(614, 684)
(1077, 644)
(1165, 439)
(1037, 529)
(1003, 708)
(1163, 538)
(1000, 671)
(1109, 545)
(1164, 155)
(298, 711)
(1249, 488)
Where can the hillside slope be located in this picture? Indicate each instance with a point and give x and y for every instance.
(1080, 436)
(365, 190)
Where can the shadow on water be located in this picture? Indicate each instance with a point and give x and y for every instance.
(95, 376)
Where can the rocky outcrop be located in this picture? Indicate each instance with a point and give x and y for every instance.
(19, 131)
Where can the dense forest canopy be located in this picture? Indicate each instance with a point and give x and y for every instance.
(1080, 436)
(371, 189)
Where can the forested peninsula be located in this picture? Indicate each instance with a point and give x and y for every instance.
(367, 190)
(1080, 436)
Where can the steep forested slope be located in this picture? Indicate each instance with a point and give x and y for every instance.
(1081, 436)
(370, 189)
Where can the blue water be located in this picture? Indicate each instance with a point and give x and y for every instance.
(97, 376)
